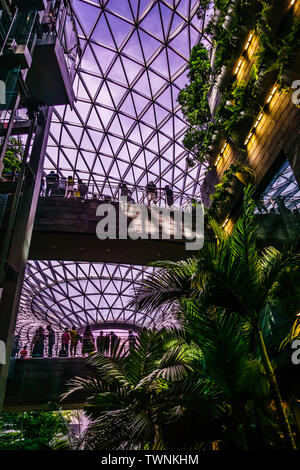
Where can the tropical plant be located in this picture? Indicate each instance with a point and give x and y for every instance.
(13, 155)
(221, 197)
(180, 389)
(193, 99)
(127, 396)
(33, 430)
(233, 274)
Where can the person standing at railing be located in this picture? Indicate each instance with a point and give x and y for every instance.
(65, 339)
(101, 343)
(51, 182)
(125, 192)
(62, 185)
(169, 195)
(51, 340)
(106, 345)
(131, 340)
(82, 188)
(113, 342)
(151, 191)
(70, 187)
(23, 352)
(42, 188)
(38, 343)
(75, 337)
(88, 341)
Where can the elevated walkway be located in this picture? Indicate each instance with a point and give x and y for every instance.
(37, 384)
(65, 229)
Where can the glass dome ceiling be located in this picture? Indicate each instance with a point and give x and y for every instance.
(126, 125)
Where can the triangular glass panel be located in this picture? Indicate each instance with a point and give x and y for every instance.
(149, 44)
(165, 99)
(149, 117)
(166, 15)
(119, 28)
(142, 85)
(104, 96)
(145, 131)
(88, 61)
(101, 33)
(115, 127)
(122, 8)
(104, 57)
(175, 23)
(133, 48)
(117, 73)
(126, 122)
(181, 43)
(127, 107)
(175, 61)
(105, 115)
(156, 82)
(160, 64)
(115, 143)
(152, 24)
(132, 68)
(140, 102)
(117, 92)
(160, 113)
(86, 16)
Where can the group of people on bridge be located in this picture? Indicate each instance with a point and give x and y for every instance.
(67, 187)
(70, 340)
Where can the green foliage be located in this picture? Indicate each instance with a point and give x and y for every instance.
(13, 155)
(240, 101)
(236, 277)
(221, 197)
(193, 99)
(34, 430)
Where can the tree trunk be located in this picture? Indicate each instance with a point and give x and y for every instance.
(285, 425)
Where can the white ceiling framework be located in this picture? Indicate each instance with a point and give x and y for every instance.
(126, 125)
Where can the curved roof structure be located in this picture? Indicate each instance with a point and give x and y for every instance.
(126, 126)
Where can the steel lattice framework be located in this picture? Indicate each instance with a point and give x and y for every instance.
(127, 126)
(283, 186)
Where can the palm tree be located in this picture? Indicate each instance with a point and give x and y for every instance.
(233, 274)
(125, 399)
(180, 390)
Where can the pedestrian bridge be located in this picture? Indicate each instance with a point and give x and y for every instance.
(65, 229)
(37, 384)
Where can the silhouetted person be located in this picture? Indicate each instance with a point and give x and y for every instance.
(151, 190)
(101, 342)
(65, 339)
(62, 186)
(82, 188)
(113, 342)
(169, 195)
(131, 339)
(125, 192)
(42, 188)
(70, 187)
(51, 181)
(74, 335)
(51, 340)
(106, 345)
(87, 341)
(23, 352)
(38, 343)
